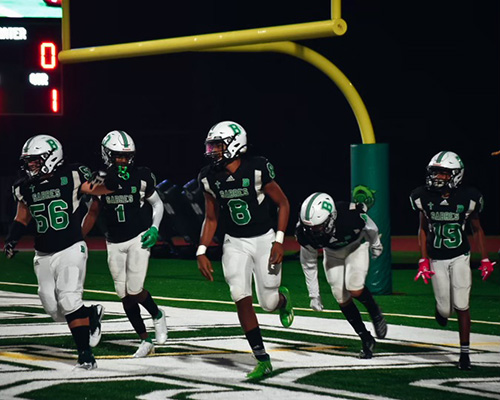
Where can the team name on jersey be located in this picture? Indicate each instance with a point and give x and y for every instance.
(444, 216)
(233, 193)
(120, 199)
(46, 194)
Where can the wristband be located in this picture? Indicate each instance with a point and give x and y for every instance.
(280, 237)
(202, 249)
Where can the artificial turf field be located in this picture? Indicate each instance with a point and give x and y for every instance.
(207, 357)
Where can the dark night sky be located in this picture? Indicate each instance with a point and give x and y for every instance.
(428, 77)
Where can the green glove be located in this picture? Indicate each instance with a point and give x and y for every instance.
(149, 238)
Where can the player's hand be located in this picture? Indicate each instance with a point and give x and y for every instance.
(376, 249)
(316, 303)
(9, 249)
(97, 178)
(277, 252)
(486, 268)
(149, 238)
(205, 267)
(424, 270)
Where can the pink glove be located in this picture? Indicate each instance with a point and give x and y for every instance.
(424, 270)
(486, 268)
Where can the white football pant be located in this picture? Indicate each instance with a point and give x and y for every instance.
(128, 264)
(60, 279)
(451, 283)
(243, 258)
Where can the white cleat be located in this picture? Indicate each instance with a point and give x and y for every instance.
(145, 349)
(96, 314)
(161, 330)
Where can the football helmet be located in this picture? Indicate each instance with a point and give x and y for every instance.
(225, 141)
(41, 155)
(445, 162)
(117, 144)
(318, 214)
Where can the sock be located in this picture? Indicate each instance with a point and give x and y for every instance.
(134, 315)
(368, 301)
(254, 338)
(464, 348)
(81, 332)
(353, 316)
(149, 304)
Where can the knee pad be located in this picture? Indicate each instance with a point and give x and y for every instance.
(120, 289)
(238, 293)
(69, 302)
(341, 295)
(269, 300)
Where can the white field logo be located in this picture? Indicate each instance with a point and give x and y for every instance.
(210, 367)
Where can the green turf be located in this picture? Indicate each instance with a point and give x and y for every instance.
(180, 279)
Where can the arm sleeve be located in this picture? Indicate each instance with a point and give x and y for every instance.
(371, 231)
(309, 262)
(157, 206)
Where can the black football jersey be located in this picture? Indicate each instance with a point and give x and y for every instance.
(245, 211)
(55, 205)
(126, 213)
(348, 226)
(447, 219)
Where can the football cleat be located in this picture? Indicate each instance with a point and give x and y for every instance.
(286, 312)
(86, 360)
(380, 325)
(262, 369)
(145, 349)
(96, 314)
(464, 362)
(368, 345)
(440, 319)
(161, 330)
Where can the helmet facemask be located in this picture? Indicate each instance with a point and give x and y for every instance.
(225, 142)
(436, 181)
(322, 231)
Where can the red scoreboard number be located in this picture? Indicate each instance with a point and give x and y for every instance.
(30, 73)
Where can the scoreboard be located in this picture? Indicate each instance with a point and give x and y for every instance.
(30, 73)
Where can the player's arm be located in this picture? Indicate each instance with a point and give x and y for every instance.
(151, 236)
(424, 268)
(207, 233)
(95, 188)
(91, 217)
(16, 229)
(273, 190)
(373, 236)
(486, 267)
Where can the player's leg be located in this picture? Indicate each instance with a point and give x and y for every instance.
(137, 267)
(333, 263)
(47, 287)
(441, 286)
(117, 263)
(70, 268)
(461, 282)
(268, 279)
(237, 266)
(357, 263)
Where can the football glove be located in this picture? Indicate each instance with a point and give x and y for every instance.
(316, 304)
(97, 178)
(424, 270)
(376, 249)
(486, 268)
(150, 237)
(9, 250)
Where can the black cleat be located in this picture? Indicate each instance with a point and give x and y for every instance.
(380, 325)
(464, 362)
(440, 319)
(368, 345)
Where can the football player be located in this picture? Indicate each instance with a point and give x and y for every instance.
(241, 190)
(346, 234)
(445, 206)
(51, 192)
(131, 231)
